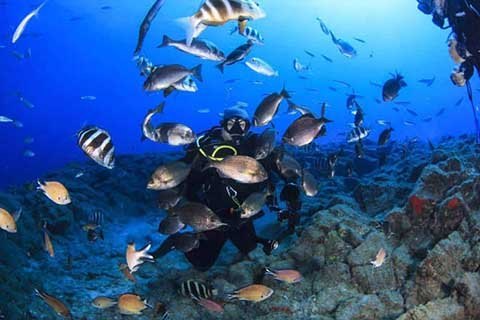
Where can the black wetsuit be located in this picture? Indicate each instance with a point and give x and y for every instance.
(464, 18)
(222, 196)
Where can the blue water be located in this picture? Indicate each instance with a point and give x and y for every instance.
(92, 55)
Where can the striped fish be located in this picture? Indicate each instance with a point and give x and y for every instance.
(250, 34)
(219, 12)
(357, 134)
(97, 144)
(196, 290)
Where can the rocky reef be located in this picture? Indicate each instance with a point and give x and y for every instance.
(422, 207)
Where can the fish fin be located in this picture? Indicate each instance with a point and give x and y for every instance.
(37, 11)
(270, 272)
(168, 91)
(285, 93)
(197, 72)
(40, 185)
(234, 29)
(17, 214)
(145, 302)
(165, 42)
(333, 37)
(145, 248)
(189, 24)
(221, 67)
(242, 24)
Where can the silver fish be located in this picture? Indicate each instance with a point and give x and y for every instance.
(23, 24)
(242, 169)
(265, 144)
(198, 216)
(260, 66)
(5, 119)
(357, 134)
(145, 26)
(309, 183)
(268, 108)
(236, 55)
(199, 48)
(163, 77)
(344, 47)
(169, 176)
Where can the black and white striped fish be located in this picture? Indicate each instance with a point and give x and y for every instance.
(250, 34)
(196, 290)
(357, 134)
(219, 12)
(97, 144)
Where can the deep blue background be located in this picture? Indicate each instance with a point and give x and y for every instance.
(93, 56)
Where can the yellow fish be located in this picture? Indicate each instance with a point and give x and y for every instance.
(55, 191)
(47, 242)
(58, 306)
(8, 221)
(252, 293)
(103, 302)
(131, 304)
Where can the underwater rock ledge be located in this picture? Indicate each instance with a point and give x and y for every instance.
(422, 209)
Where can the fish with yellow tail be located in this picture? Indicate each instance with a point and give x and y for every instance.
(55, 191)
(8, 222)
(253, 293)
(47, 242)
(58, 306)
(287, 276)
(131, 304)
(219, 12)
(136, 258)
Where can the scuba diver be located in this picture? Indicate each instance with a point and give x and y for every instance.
(464, 46)
(223, 196)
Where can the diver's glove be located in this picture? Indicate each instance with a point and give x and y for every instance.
(462, 74)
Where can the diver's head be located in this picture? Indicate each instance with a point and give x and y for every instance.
(437, 8)
(235, 123)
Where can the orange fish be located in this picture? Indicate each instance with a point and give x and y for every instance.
(8, 222)
(47, 243)
(379, 259)
(288, 276)
(58, 306)
(253, 293)
(131, 304)
(126, 272)
(55, 191)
